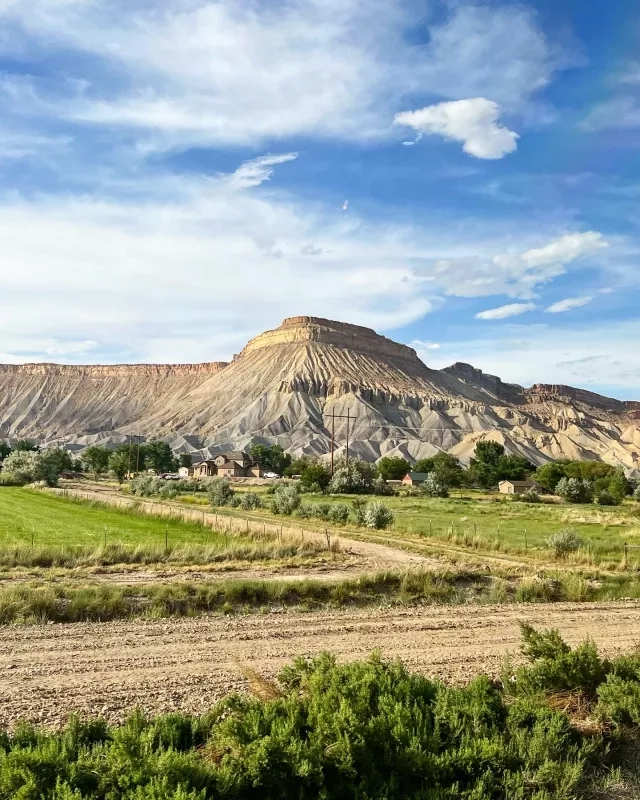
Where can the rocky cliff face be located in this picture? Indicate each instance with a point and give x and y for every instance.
(285, 385)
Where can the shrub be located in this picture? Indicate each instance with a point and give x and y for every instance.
(250, 501)
(377, 515)
(313, 488)
(433, 487)
(316, 476)
(355, 478)
(369, 729)
(339, 513)
(636, 494)
(168, 492)
(564, 543)
(305, 510)
(382, 488)
(286, 499)
(574, 490)
(605, 498)
(556, 667)
(530, 496)
(235, 501)
(11, 479)
(357, 510)
(322, 510)
(146, 485)
(220, 492)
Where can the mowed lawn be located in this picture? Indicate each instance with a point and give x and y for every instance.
(51, 520)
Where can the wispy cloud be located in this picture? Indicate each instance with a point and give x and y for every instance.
(503, 312)
(569, 304)
(257, 171)
(618, 112)
(226, 72)
(473, 122)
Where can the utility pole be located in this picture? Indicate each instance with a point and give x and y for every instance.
(138, 456)
(130, 451)
(334, 417)
(347, 448)
(333, 435)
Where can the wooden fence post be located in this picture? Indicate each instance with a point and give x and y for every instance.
(626, 551)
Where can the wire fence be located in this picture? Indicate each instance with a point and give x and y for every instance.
(216, 521)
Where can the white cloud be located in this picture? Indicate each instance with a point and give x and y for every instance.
(622, 112)
(207, 263)
(503, 312)
(237, 72)
(253, 173)
(631, 73)
(569, 304)
(566, 248)
(473, 122)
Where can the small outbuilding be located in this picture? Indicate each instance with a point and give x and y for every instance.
(414, 478)
(517, 487)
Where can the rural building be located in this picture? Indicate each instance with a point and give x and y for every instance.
(236, 464)
(516, 487)
(186, 472)
(414, 478)
(205, 469)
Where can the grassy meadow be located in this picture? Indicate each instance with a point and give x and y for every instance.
(41, 529)
(488, 522)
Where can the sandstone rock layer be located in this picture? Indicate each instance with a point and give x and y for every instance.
(286, 384)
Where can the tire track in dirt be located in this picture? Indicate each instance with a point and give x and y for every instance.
(48, 671)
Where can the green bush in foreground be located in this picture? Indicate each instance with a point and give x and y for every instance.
(363, 730)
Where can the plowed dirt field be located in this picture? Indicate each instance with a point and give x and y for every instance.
(48, 671)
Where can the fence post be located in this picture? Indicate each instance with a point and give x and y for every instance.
(328, 535)
(626, 549)
(105, 537)
(430, 527)
(166, 538)
(526, 544)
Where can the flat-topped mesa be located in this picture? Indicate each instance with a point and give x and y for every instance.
(511, 392)
(562, 393)
(299, 330)
(113, 370)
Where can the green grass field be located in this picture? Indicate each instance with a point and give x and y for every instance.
(484, 523)
(56, 521)
(42, 529)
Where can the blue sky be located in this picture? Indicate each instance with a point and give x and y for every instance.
(177, 176)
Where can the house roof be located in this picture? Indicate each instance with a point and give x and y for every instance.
(236, 455)
(417, 476)
(520, 483)
(230, 465)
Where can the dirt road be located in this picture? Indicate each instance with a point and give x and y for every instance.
(48, 671)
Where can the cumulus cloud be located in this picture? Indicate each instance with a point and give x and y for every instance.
(568, 304)
(473, 122)
(503, 312)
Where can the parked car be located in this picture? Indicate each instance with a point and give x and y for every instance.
(170, 476)
(270, 475)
